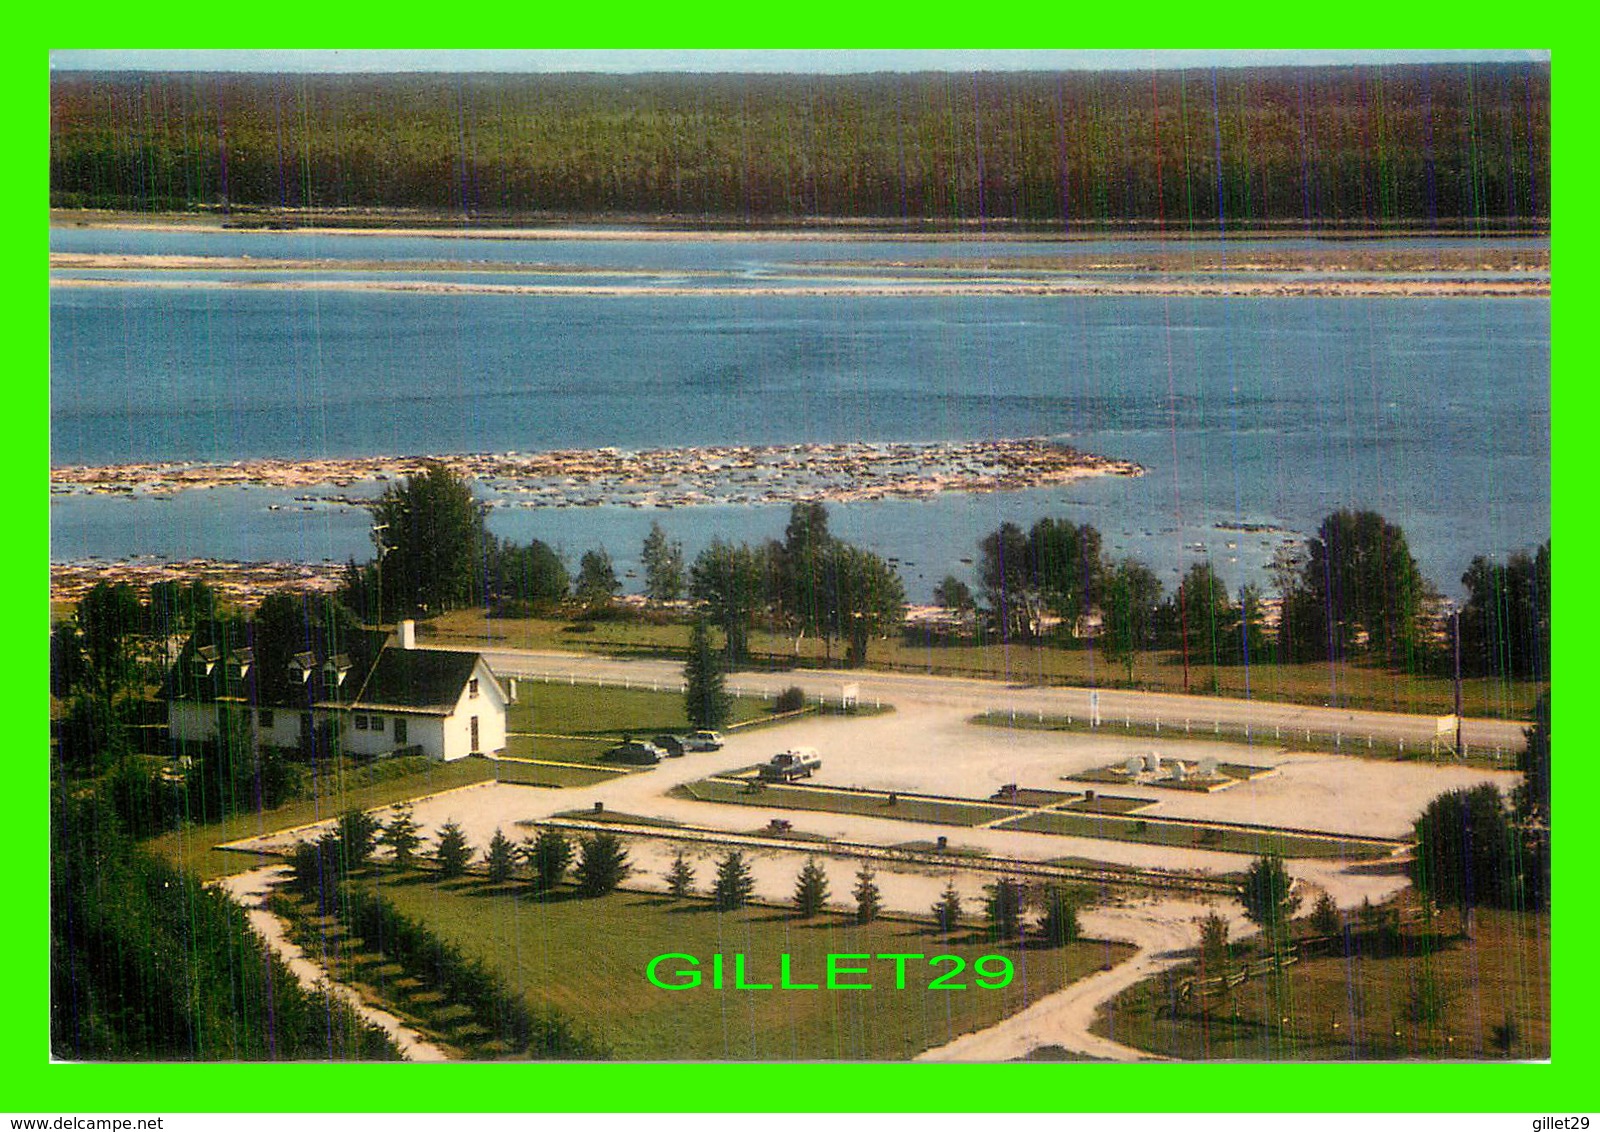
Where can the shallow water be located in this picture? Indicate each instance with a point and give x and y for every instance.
(1243, 410)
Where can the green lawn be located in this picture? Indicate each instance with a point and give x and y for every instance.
(869, 803)
(544, 774)
(1186, 835)
(193, 849)
(592, 719)
(1372, 1004)
(588, 958)
(1352, 685)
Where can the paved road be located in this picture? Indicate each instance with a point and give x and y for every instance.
(1197, 712)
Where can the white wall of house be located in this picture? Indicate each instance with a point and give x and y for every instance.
(278, 727)
(446, 738)
(192, 722)
(488, 706)
(427, 732)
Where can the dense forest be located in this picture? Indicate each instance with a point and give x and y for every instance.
(1462, 145)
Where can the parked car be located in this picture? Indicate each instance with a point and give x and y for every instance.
(670, 744)
(797, 762)
(635, 753)
(702, 741)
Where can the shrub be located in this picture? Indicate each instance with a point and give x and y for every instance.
(792, 698)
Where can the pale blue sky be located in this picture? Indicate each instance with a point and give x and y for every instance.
(814, 62)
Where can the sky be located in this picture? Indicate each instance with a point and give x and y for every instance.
(805, 62)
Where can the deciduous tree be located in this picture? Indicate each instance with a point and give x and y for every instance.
(1130, 598)
(1467, 851)
(731, 583)
(1363, 585)
(430, 539)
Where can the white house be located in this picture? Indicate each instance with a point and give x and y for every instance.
(375, 698)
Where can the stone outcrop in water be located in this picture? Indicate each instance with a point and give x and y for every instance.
(660, 477)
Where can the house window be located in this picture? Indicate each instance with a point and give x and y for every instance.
(361, 723)
(472, 689)
(474, 734)
(400, 731)
(375, 722)
(264, 719)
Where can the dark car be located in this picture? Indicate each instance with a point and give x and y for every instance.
(634, 753)
(670, 744)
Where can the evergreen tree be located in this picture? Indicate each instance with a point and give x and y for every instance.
(314, 870)
(1268, 898)
(358, 832)
(1004, 906)
(1059, 924)
(734, 884)
(811, 890)
(680, 877)
(664, 572)
(548, 856)
(602, 864)
(597, 579)
(1325, 918)
(706, 700)
(1213, 945)
(452, 853)
(500, 858)
(401, 836)
(868, 899)
(947, 913)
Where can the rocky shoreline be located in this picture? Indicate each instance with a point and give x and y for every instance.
(661, 477)
(244, 583)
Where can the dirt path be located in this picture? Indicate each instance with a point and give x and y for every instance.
(1161, 930)
(250, 891)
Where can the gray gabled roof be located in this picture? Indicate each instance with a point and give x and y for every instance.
(417, 680)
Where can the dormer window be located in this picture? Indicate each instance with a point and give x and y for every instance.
(301, 665)
(336, 669)
(242, 659)
(205, 659)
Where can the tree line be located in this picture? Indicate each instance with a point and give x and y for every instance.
(1362, 145)
(119, 920)
(1353, 592)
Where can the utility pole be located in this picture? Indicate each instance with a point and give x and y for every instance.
(1456, 619)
